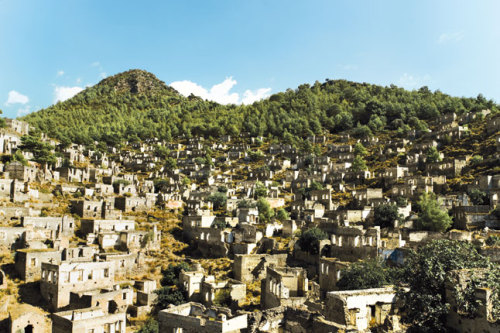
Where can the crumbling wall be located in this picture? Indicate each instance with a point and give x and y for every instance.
(251, 267)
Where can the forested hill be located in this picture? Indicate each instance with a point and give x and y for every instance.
(135, 105)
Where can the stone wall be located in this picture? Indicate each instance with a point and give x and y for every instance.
(251, 267)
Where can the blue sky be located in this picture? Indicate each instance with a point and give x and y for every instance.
(240, 51)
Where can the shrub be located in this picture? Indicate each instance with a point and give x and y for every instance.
(150, 326)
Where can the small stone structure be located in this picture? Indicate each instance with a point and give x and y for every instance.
(195, 318)
(251, 267)
(88, 320)
(360, 309)
(283, 286)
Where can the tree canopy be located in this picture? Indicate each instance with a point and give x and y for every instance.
(135, 105)
(370, 273)
(386, 215)
(425, 272)
(309, 240)
(431, 216)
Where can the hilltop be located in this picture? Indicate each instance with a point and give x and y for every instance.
(135, 105)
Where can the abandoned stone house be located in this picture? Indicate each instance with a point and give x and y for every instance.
(28, 262)
(359, 310)
(81, 252)
(322, 196)
(105, 239)
(87, 208)
(16, 170)
(64, 225)
(368, 196)
(145, 297)
(109, 300)
(138, 239)
(480, 321)
(354, 243)
(124, 262)
(18, 126)
(211, 290)
(74, 175)
(88, 320)
(247, 215)
(283, 286)
(191, 280)
(59, 280)
(474, 217)
(250, 267)
(26, 318)
(134, 204)
(98, 225)
(8, 142)
(11, 237)
(330, 273)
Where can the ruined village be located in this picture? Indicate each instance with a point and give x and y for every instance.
(240, 233)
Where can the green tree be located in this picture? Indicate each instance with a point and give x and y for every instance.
(186, 181)
(2, 121)
(170, 164)
(478, 197)
(424, 273)
(386, 215)
(170, 295)
(362, 131)
(366, 274)
(18, 156)
(162, 151)
(433, 155)
(282, 215)
(42, 151)
(199, 160)
(265, 211)
(171, 274)
(358, 164)
(260, 190)
(309, 240)
(315, 186)
(246, 204)
(360, 150)
(476, 159)
(431, 216)
(218, 199)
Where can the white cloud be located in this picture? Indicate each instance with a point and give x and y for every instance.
(249, 96)
(103, 75)
(450, 37)
(60, 73)
(220, 93)
(16, 98)
(24, 111)
(63, 93)
(412, 82)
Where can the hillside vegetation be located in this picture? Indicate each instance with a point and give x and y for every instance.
(135, 105)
